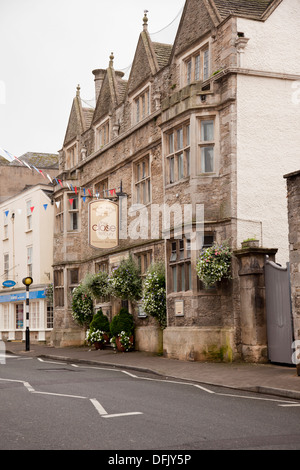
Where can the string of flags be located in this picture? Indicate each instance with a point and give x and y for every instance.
(87, 192)
(20, 210)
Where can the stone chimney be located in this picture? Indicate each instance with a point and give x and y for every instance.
(99, 77)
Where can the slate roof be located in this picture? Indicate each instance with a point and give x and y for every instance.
(250, 8)
(3, 161)
(40, 160)
(88, 116)
(162, 52)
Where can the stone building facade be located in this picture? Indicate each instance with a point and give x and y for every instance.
(174, 137)
(15, 176)
(293, 195)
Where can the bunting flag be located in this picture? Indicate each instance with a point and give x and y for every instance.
(55, 181)
(32, 208)
(45, 206)
(6, 213)
(6, 155)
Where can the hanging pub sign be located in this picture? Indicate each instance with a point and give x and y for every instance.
(103, 224)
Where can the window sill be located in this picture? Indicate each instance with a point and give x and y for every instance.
(28, 231)
(212, 173)
(182, 180)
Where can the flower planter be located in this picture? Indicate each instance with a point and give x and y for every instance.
(120, 346)
(106, 339)
(250, 244)
(99, 345)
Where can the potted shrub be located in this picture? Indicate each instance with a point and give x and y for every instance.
(100, 322)
(121, 330)
(214, 264)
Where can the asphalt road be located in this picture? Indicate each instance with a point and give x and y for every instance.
(49, 405)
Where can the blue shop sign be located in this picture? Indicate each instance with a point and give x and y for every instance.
(8, 283)
(39, 294)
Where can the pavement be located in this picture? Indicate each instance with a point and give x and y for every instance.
(271, 379)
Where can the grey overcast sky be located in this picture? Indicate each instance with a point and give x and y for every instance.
(48, 47)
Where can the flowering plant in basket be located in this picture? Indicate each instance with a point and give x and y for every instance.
(95, 336)
(214, 264)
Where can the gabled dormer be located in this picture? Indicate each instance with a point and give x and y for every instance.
(110, 90)
(150, 57)
(79, 122)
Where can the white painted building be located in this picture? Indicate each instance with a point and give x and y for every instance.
(26, 249)
(268, 123)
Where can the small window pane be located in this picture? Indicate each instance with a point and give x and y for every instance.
(174, 278)
(205, 64)
(197, 67)
(180, 166)
(207, 159)
(179, 139)
(172, 173)
(171, 143)
(207, 131)
(189, 71)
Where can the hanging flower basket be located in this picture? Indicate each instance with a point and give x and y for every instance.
(214, 264)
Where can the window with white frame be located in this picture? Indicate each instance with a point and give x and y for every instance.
(34, 315)
(142, 106)
(178, 153)
(102, 134)
(142, 181)
(29, 215)
(5, 226)
(29, 260)
(206, 153)
(6, 265)
(19, 312)
(5, 317)
(73, 212)
(196, 66)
